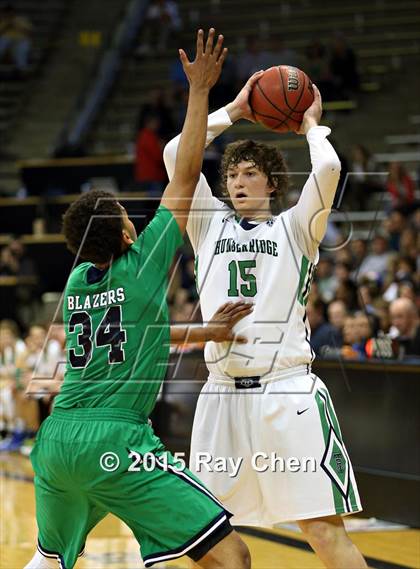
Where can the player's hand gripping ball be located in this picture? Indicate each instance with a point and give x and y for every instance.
(280, 98)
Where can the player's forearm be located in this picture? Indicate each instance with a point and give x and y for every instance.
(233, 111)
(190, 334)
(319, 191)
(193, 137)
(315, 202)
(217, 123)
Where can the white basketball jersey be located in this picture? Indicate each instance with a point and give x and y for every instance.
(262, 265)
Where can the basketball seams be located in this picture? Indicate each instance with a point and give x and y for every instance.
(270, 101)
(281, 122)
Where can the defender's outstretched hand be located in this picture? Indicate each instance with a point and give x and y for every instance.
(205, 70)
(313, 114)
(239, 108)
(220, 326)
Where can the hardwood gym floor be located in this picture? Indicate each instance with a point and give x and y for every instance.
(111, 546)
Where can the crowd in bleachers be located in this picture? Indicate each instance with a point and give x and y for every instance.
(25, 402)
(15, 39)
(332, 66)
(370, 290)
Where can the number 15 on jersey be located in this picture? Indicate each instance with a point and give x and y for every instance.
(242, 282)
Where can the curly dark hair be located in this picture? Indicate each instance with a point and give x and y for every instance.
(267, 159)
(102, 241)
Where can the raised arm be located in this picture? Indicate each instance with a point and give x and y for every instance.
(202, 74)
(309, 217)
(217, 122)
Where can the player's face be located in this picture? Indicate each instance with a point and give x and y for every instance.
(248, 190)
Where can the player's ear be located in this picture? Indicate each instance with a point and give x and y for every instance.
(126, 239)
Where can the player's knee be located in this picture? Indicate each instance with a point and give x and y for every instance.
(323, 534)
(230, 553)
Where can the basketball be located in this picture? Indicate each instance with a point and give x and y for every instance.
(280, 98)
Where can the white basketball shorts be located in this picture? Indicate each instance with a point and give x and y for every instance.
(273, 453)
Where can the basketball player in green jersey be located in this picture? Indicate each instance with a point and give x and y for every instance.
(96, 454)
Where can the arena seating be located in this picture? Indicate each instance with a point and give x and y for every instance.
(64, 64)
(384, 35)
(46, 18)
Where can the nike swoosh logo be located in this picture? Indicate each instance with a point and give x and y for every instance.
(300, 412)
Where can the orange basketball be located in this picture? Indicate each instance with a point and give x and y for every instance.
(280, 97)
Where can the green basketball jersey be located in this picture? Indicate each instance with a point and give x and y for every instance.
(117, 324)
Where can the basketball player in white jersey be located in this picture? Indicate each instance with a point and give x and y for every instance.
(261, 401)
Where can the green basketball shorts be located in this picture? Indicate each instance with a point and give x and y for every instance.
(91, 462)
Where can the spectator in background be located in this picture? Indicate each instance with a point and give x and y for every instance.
(42, 370)
(162, 23)
(404, 269)
(351, 339)
(179, 81)
(225, 88)
(11, 349)
(343, 255)
(279, 54)
(157, 105)
(188, 281)
(25, 263)
(394, 225)
(347, 293)
(15, 37)
(407, 290)
(343, 66)
(410, 243)
(327, 281)
(400, 186)
(358, 249)
(317, 67)
(377, 262)
(405, 326)
(337, 313)
(182, 307)
(9, 265)
(14, 261)
(362, 181)
(416, 220)
(382, 312)
(150, 173)
(363, 330)
(342, 272)
(252, 59)
(322, 333)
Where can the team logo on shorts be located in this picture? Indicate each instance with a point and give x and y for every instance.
(247, 382)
